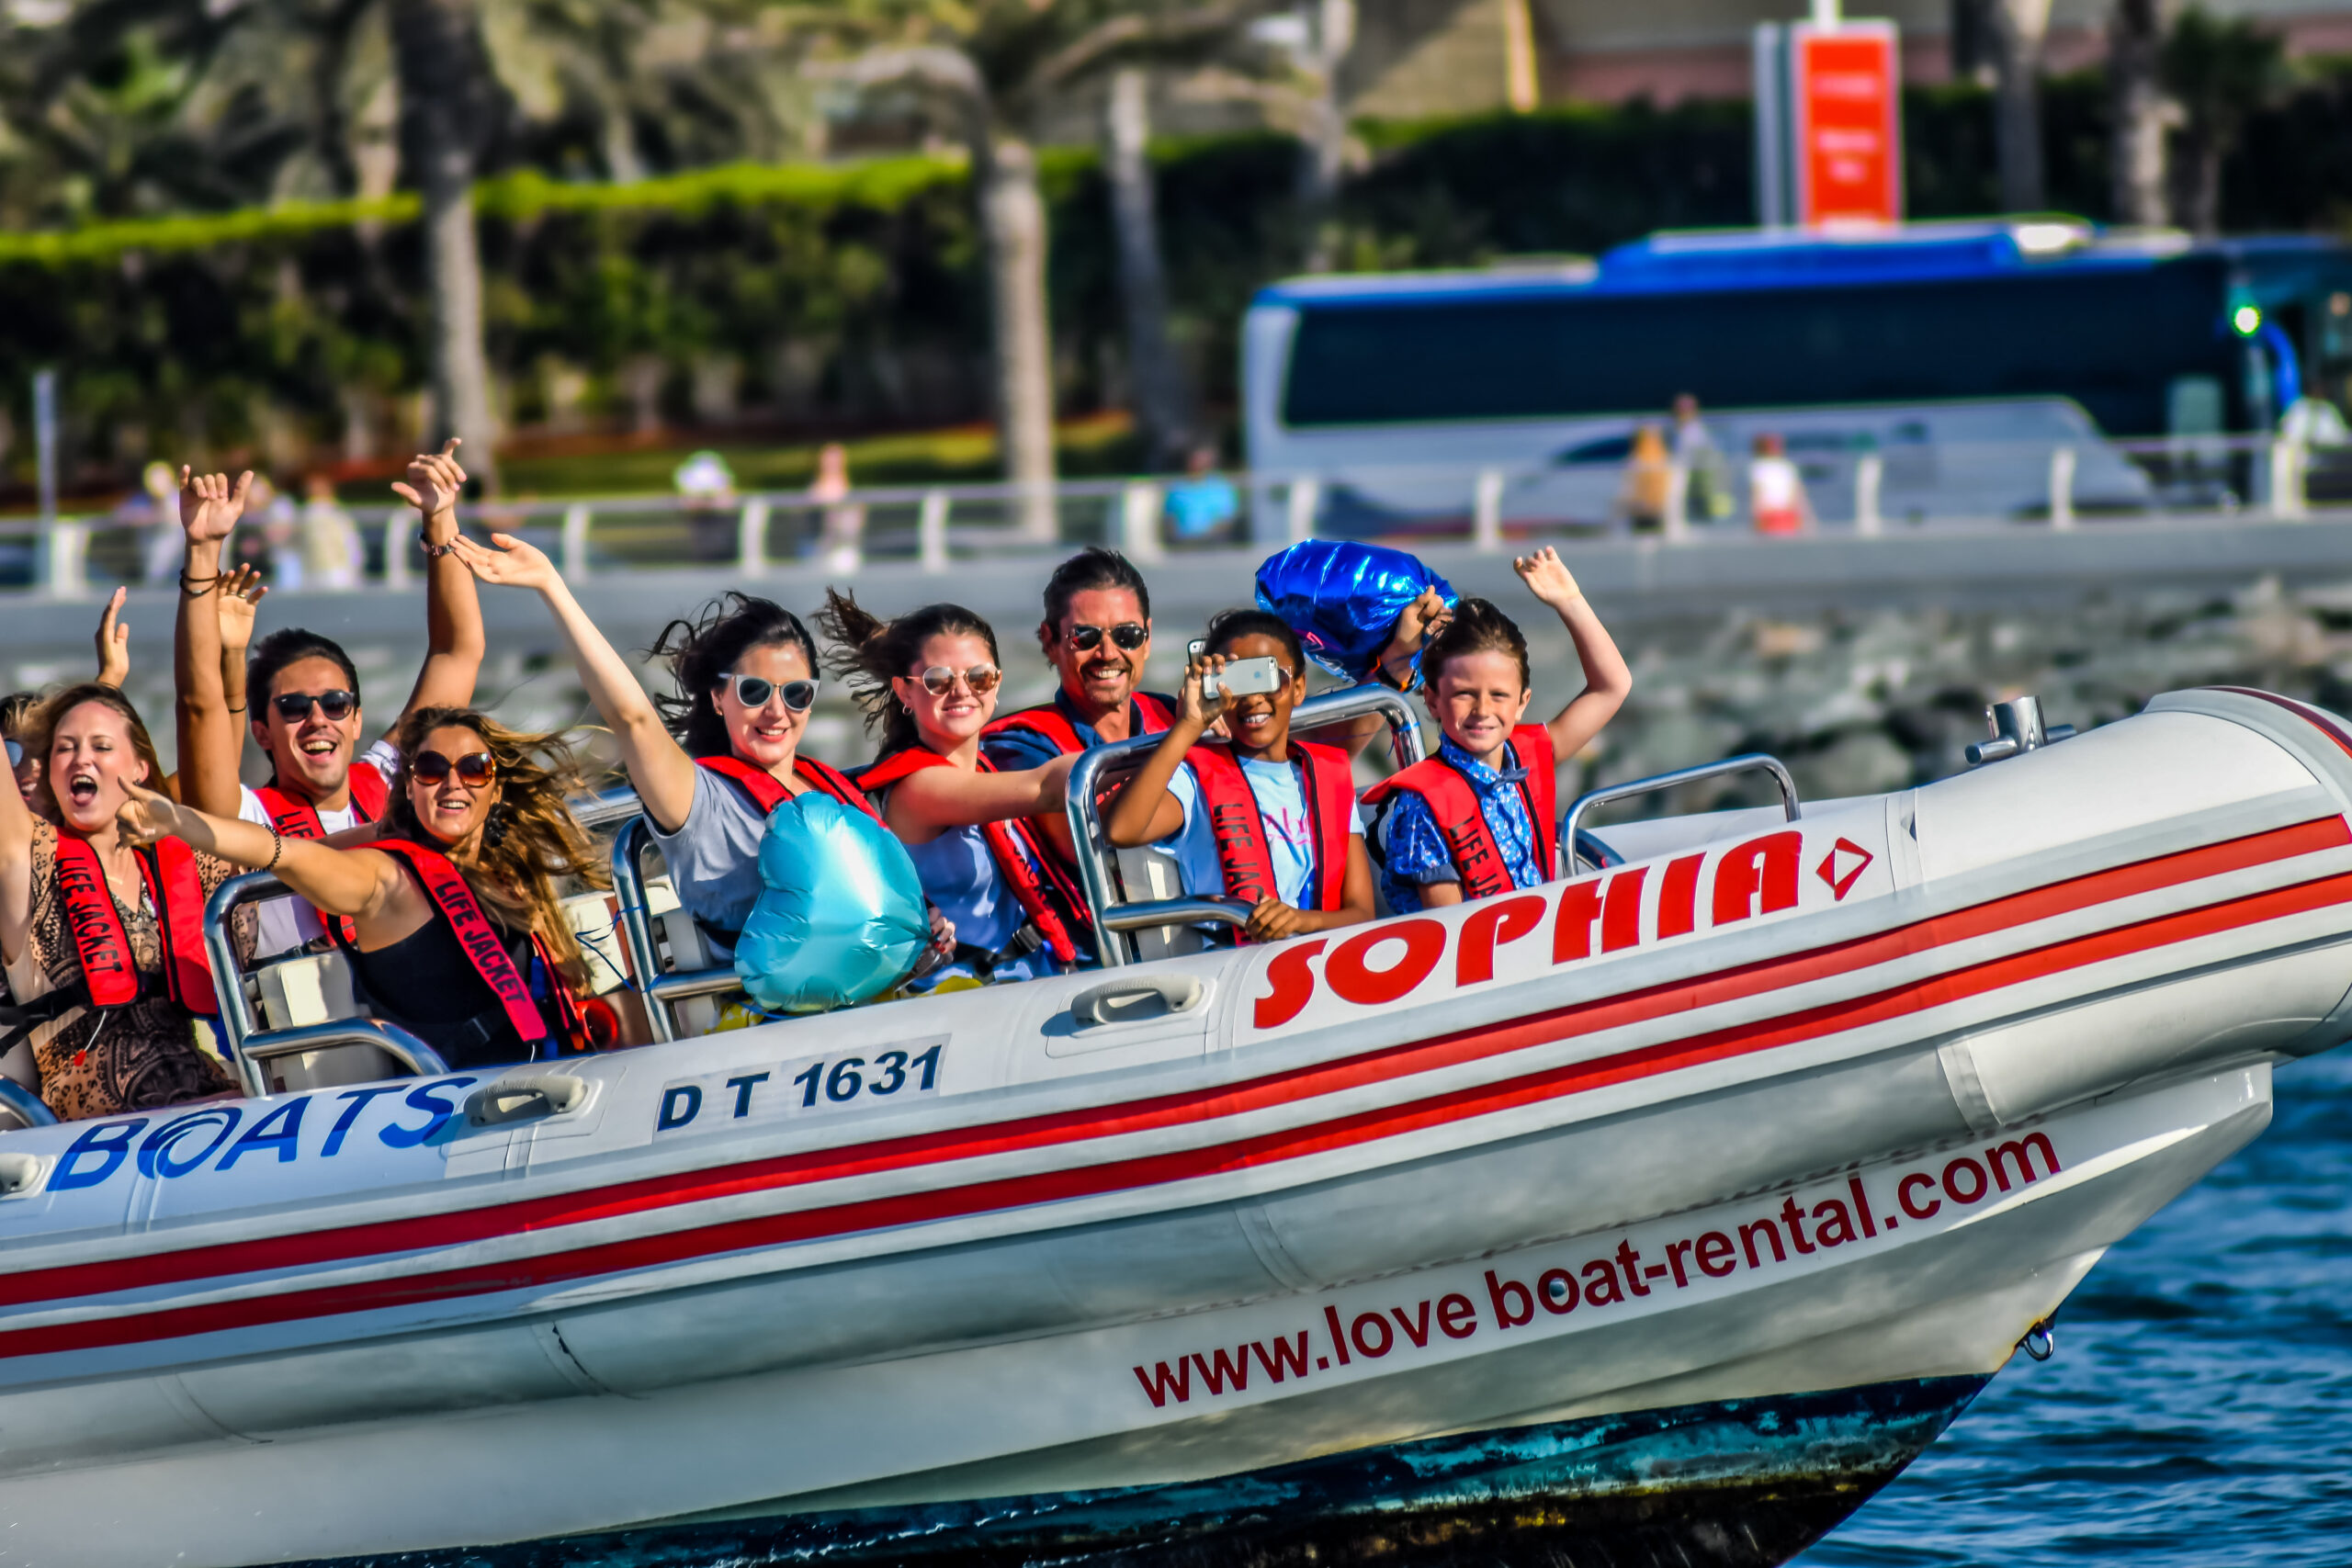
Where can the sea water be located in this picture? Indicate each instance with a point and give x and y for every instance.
(2198, 1410)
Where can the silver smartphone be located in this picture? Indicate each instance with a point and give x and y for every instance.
(1243, 678)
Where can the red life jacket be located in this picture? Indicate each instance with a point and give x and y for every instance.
(1148, 715)
(168, 869)
(1454, 805)
(1046, 892)
(295, 817)
(461, 911)
(767, 795)
(1239, 828)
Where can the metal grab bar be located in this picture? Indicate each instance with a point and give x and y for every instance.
(22, 1103)
(1094, 851)
(422, 1060)
(659, 988)
(1746, 761)
(1216, 909)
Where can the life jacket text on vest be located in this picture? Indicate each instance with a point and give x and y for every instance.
(461, 911)
(1454, 805)
(108, 966)
(1046, 892)
(1239, 827)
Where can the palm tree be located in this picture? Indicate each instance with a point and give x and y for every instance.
(2136, 157)
(986, 70)
(446, 107)
(2019, 29)
(2222, 73)
(1163, 402)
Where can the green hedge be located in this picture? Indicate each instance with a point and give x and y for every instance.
(851, 296)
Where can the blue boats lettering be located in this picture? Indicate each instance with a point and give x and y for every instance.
(280, 1129)
(426, 1098)
(155, 1154)
(109, 1143)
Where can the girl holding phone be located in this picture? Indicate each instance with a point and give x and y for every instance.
(1259, 816)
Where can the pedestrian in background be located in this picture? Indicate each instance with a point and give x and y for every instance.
(1776, 496)
(332, 556)
(1202, 507)
(1706, 477)
(841, 528)
(1648, 488)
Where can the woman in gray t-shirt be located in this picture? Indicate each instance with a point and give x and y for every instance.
(710, 762)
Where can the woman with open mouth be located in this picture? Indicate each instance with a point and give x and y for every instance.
(929, 680)
(474, 838)
(102, 934)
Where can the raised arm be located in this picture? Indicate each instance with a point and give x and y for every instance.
(1144, 812)
(16, 873)
(453, 634)
(1606, 682)
(658, 765)
(924, 805)
(357, 883)
(210, 740)
(114, 642)
(237, 599)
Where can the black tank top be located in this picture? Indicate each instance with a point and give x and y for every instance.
(427, 985)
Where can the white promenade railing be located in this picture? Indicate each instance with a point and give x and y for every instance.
(1866, 492)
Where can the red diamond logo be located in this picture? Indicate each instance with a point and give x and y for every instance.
(1846, 861)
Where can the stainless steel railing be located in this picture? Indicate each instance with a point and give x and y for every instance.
(1573, 838)
(252, 1048)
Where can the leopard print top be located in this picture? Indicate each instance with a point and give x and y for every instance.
(105, 1061)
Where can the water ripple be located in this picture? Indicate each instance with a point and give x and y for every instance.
(2199, 1410)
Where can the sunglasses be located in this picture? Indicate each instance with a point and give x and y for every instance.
(939, 679)
(16, 754)
(295, 706)
(473, 770)
(1127, 636)
(753, 692)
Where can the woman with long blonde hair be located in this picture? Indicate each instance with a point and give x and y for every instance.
(451, 915)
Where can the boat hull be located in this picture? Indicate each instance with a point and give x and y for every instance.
(1731, 1483)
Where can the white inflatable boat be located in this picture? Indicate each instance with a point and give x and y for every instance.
(1661, 1214)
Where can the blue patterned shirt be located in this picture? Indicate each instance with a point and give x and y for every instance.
(1413, 851)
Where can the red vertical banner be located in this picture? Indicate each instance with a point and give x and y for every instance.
(1845, 104)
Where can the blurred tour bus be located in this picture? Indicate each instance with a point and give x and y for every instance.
(1963, 355)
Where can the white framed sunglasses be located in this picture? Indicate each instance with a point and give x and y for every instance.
(753, 692)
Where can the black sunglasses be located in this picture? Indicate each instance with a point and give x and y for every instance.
(295, 706)
(1127, 636)
(754, 691)
(473, 768)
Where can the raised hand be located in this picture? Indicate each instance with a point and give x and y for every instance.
(144, 816)
(1423, 619)
(512, 563)
(1548, 577)
(238, 596)
(114, 642)
(209, 505)
(434, 481)
(1191, 705)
